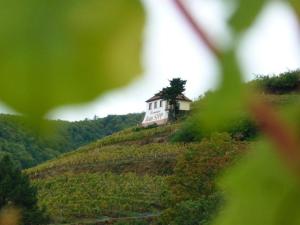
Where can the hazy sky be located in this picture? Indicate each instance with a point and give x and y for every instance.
(172, 50)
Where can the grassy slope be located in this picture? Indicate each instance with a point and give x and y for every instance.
(120, 175)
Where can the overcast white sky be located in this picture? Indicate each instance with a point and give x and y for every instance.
(172, 50)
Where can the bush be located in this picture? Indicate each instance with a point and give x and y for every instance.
(16, 191)
(188, 132)
(241, 128)
(283, 83)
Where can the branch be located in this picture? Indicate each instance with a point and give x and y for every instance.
(197, 28)
(279, 133)
(270, 123)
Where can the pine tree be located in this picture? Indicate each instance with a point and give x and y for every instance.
(16, 191)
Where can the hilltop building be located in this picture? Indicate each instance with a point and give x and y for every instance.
(157, 110)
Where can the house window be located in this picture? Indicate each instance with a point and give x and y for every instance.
(155, 105)
(150, 106)
(160, 103)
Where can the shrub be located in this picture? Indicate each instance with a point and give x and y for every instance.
(241, 128)
(283, 83)
(188, 132)
(16, 191)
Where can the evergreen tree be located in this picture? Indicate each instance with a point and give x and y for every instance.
(170, 94)
(16, 191)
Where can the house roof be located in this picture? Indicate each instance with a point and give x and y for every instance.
(180, 97)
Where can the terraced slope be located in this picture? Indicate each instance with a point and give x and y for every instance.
(123, 177)
(120, 148)
(118, 176)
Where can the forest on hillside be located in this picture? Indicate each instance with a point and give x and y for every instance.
(28, 148)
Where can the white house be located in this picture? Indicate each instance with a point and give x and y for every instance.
(157, 110)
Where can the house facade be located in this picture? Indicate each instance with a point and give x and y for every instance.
(157, 109)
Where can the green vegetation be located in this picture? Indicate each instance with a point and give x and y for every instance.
(120, 175)
(142, 176)
(279, 91)
(145, 176)
(115, 158)
(63, 52)
(28, 148)
(59, 61)
(127, 174)
(170, 94)
(242, 128)
(17, 192)
(279, 84)
(106, 194)
(195, 197)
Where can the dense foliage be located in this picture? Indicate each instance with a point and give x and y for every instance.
(16, 191)
(279, 91)
(242, 128)
(27, 148)
(279, 84)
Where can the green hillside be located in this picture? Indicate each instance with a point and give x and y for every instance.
(28, 148)
(159, 176)
(120, 176)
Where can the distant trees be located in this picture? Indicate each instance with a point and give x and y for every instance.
(283, 83)
(26, 148)
(16, 191)
(170, 94)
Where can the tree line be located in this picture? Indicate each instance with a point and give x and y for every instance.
(28, 148)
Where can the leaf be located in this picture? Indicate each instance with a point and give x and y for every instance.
(260, 190)
(296, 6)
(246, 13)
(221, 107)
(65, 52)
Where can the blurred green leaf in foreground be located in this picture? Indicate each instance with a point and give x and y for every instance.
(261, 190)
(56, 52)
